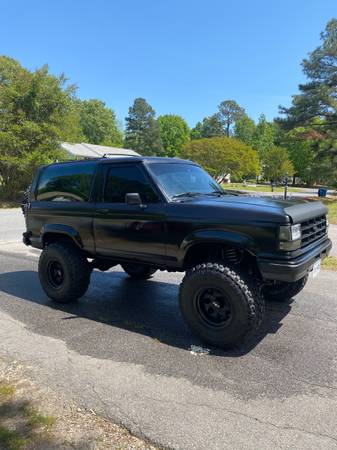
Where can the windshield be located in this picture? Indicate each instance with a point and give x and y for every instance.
(179, 180)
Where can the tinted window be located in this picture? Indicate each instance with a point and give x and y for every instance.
(179, 178)
(66, 182)
(128, 179)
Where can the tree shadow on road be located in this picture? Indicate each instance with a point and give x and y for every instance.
(148, 307)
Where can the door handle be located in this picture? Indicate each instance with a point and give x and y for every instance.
(102, 210)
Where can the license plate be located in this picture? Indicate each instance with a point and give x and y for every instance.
(316, 268)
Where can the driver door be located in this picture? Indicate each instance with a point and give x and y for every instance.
(129, 232)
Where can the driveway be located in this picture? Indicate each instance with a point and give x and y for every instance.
(11, 225)
(124, 351)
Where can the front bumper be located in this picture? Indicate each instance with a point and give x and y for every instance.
(293, 269)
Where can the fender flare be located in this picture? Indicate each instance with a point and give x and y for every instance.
(60, 229)
(217, 236)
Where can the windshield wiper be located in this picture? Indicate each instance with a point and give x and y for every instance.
(217, 193)
(186, 194)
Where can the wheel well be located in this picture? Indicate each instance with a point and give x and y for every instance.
(215, 252)
(49, 238)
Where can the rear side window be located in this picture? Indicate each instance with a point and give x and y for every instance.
(128, 179)
(66, 183)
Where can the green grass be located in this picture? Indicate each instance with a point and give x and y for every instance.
(21, 425)
(258, 187)
(331, 204)
(35, 419)
(330, 263)
(11, 439)
(6, 390)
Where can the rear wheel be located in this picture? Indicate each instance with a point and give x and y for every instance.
(220, 305)
(64, 272)
(138, 271)
(282, 291)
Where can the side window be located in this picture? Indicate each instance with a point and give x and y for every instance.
(128, 179)
(66, 183)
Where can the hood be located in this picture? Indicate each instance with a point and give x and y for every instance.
(298, 210)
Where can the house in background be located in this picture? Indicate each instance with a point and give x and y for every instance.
(88, 151)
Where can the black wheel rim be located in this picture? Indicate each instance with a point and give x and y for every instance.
(55, 274)
(213, 307)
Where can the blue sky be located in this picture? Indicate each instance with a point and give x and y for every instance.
(183, 56)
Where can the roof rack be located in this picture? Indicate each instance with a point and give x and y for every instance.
(107, 155)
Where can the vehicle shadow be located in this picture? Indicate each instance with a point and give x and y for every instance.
(144, 307)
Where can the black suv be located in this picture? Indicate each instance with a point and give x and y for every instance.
(168, 214)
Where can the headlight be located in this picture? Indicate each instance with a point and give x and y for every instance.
(289, 237)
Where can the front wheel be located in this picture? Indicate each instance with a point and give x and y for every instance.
(220, 305)
(281, 291)
(138, 271)
(64, 272)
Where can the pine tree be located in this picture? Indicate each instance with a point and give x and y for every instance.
(229, 113)
(142, 130)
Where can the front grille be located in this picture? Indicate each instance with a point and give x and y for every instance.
(313, 229)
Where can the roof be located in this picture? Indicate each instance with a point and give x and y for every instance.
(85, 150)
(127, 159)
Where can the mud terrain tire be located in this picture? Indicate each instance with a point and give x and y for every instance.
(220, 304)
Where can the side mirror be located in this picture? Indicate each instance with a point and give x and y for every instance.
(133, 198)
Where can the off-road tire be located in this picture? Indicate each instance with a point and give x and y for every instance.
(241, 293)
(283, 291)
(74, 266)
(138, 271)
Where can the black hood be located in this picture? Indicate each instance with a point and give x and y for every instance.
(298, 210)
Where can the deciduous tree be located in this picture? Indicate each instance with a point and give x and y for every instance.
(222, 155)
(34, 107)
(277, 164)
(174, 133)
(98, 123)
(264, 137)
(245, 130)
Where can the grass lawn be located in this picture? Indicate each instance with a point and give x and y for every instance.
(258, 187)
(331, 203)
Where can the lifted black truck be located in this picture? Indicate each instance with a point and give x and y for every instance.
(169, 214)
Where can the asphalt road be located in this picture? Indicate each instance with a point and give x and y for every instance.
(124, 351)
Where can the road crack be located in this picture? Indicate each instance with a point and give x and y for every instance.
(247, 416)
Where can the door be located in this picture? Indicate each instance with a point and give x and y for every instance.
(124, 231)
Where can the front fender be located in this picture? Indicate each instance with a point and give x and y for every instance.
(58, 228)
(218, 236)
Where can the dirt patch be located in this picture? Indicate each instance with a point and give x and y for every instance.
(33, 418)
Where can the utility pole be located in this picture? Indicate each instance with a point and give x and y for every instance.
(286, 186)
